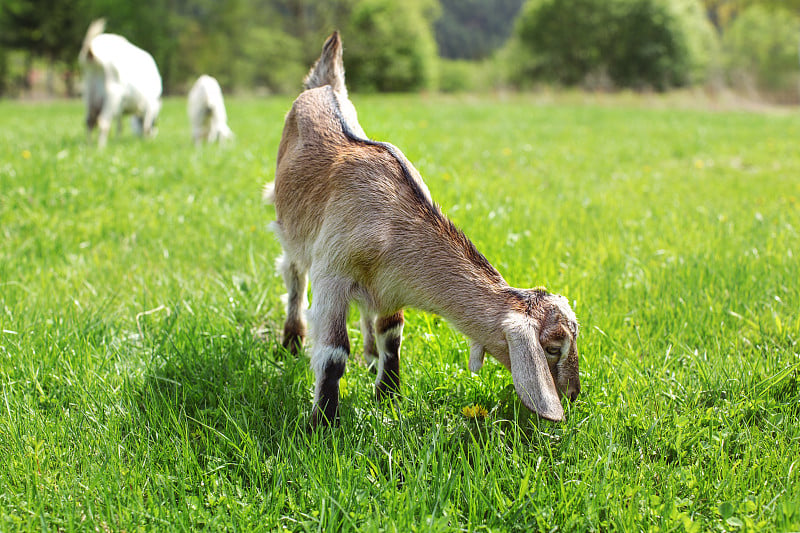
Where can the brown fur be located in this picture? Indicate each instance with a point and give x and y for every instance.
(356, 211)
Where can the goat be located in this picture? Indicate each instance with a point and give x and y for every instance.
(206, 110)
(119, 78)
(355, 216)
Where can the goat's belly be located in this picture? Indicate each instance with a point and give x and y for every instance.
(132, 103)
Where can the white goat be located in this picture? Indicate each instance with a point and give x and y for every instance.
(207, 111)
(119, 78)
(355, 215)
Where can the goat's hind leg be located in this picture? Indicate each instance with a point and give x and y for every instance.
(389, 336)
(330, 349)
(92, 112)
(370, 350)
(296, 280)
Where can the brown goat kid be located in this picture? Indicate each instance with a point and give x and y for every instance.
(355, 216)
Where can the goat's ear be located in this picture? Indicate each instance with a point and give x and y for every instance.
(476, 353)
(530, 372)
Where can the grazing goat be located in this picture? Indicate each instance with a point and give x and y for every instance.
(355, 216)
(119, 78)
(207, 111)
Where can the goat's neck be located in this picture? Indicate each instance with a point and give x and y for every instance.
(464, 289)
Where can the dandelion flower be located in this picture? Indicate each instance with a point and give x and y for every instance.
(26, 154)
(474, 411)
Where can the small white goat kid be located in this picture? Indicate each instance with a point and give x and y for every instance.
(355, 215)
(119, 78)
(206, 110)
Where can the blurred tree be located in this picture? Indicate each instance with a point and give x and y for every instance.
(49, 29)
(311, 21)
(151, 27)
(761, 50)
(3, 71)
(209, 34)
(263, 44)
(474, 29)
(391, 45)
(271, 60)
(722, 12)
(624, 43)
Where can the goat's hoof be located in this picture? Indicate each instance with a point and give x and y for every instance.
(293, 343)
(321, 419)
(371, 362)
(386, 395)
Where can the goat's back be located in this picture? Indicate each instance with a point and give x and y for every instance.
(327, 174)
(127, 64)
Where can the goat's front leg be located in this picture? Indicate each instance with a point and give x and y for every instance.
(389, 330)
(329, 351)
(111, 105)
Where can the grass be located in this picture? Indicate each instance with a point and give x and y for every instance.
(136, 394)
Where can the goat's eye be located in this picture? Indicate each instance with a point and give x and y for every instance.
(553, 350)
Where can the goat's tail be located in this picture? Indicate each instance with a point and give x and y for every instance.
(95, 28)
(268, 194)
(329, 68)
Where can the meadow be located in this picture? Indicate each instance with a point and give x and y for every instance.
(143, 387)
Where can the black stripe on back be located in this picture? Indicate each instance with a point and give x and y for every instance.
(468, 247)
(418, 192)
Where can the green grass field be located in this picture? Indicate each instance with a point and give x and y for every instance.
(136, 394)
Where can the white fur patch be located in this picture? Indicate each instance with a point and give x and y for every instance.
(275, 227)
(322, 355)
(476, 355)
(379, 364)
(391, 333)
(268, 195)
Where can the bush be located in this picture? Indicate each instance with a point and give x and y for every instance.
(460, 75)
(624, 43)
(456, 75)
(761, 50)
(702, 41)
(271, 59)
(3, 71)
(391, 47)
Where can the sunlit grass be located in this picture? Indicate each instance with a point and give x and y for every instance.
(137, 394)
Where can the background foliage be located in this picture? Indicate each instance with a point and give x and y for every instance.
(265, 46)
(395, 49)
(622, 43)
(761, 51)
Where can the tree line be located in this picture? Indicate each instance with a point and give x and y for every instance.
(256, 44)
(267, 45)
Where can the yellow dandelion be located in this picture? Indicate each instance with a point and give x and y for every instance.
(506, 151)
(26, 154)
(698, 163)
(474, 411)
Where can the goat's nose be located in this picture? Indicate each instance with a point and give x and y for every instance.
(573, 391)
(572, 395)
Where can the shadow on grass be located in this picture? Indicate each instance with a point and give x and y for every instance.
(238, 404)
(227, 399)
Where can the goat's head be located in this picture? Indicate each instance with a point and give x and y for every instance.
(558, 337)
(541, 333)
